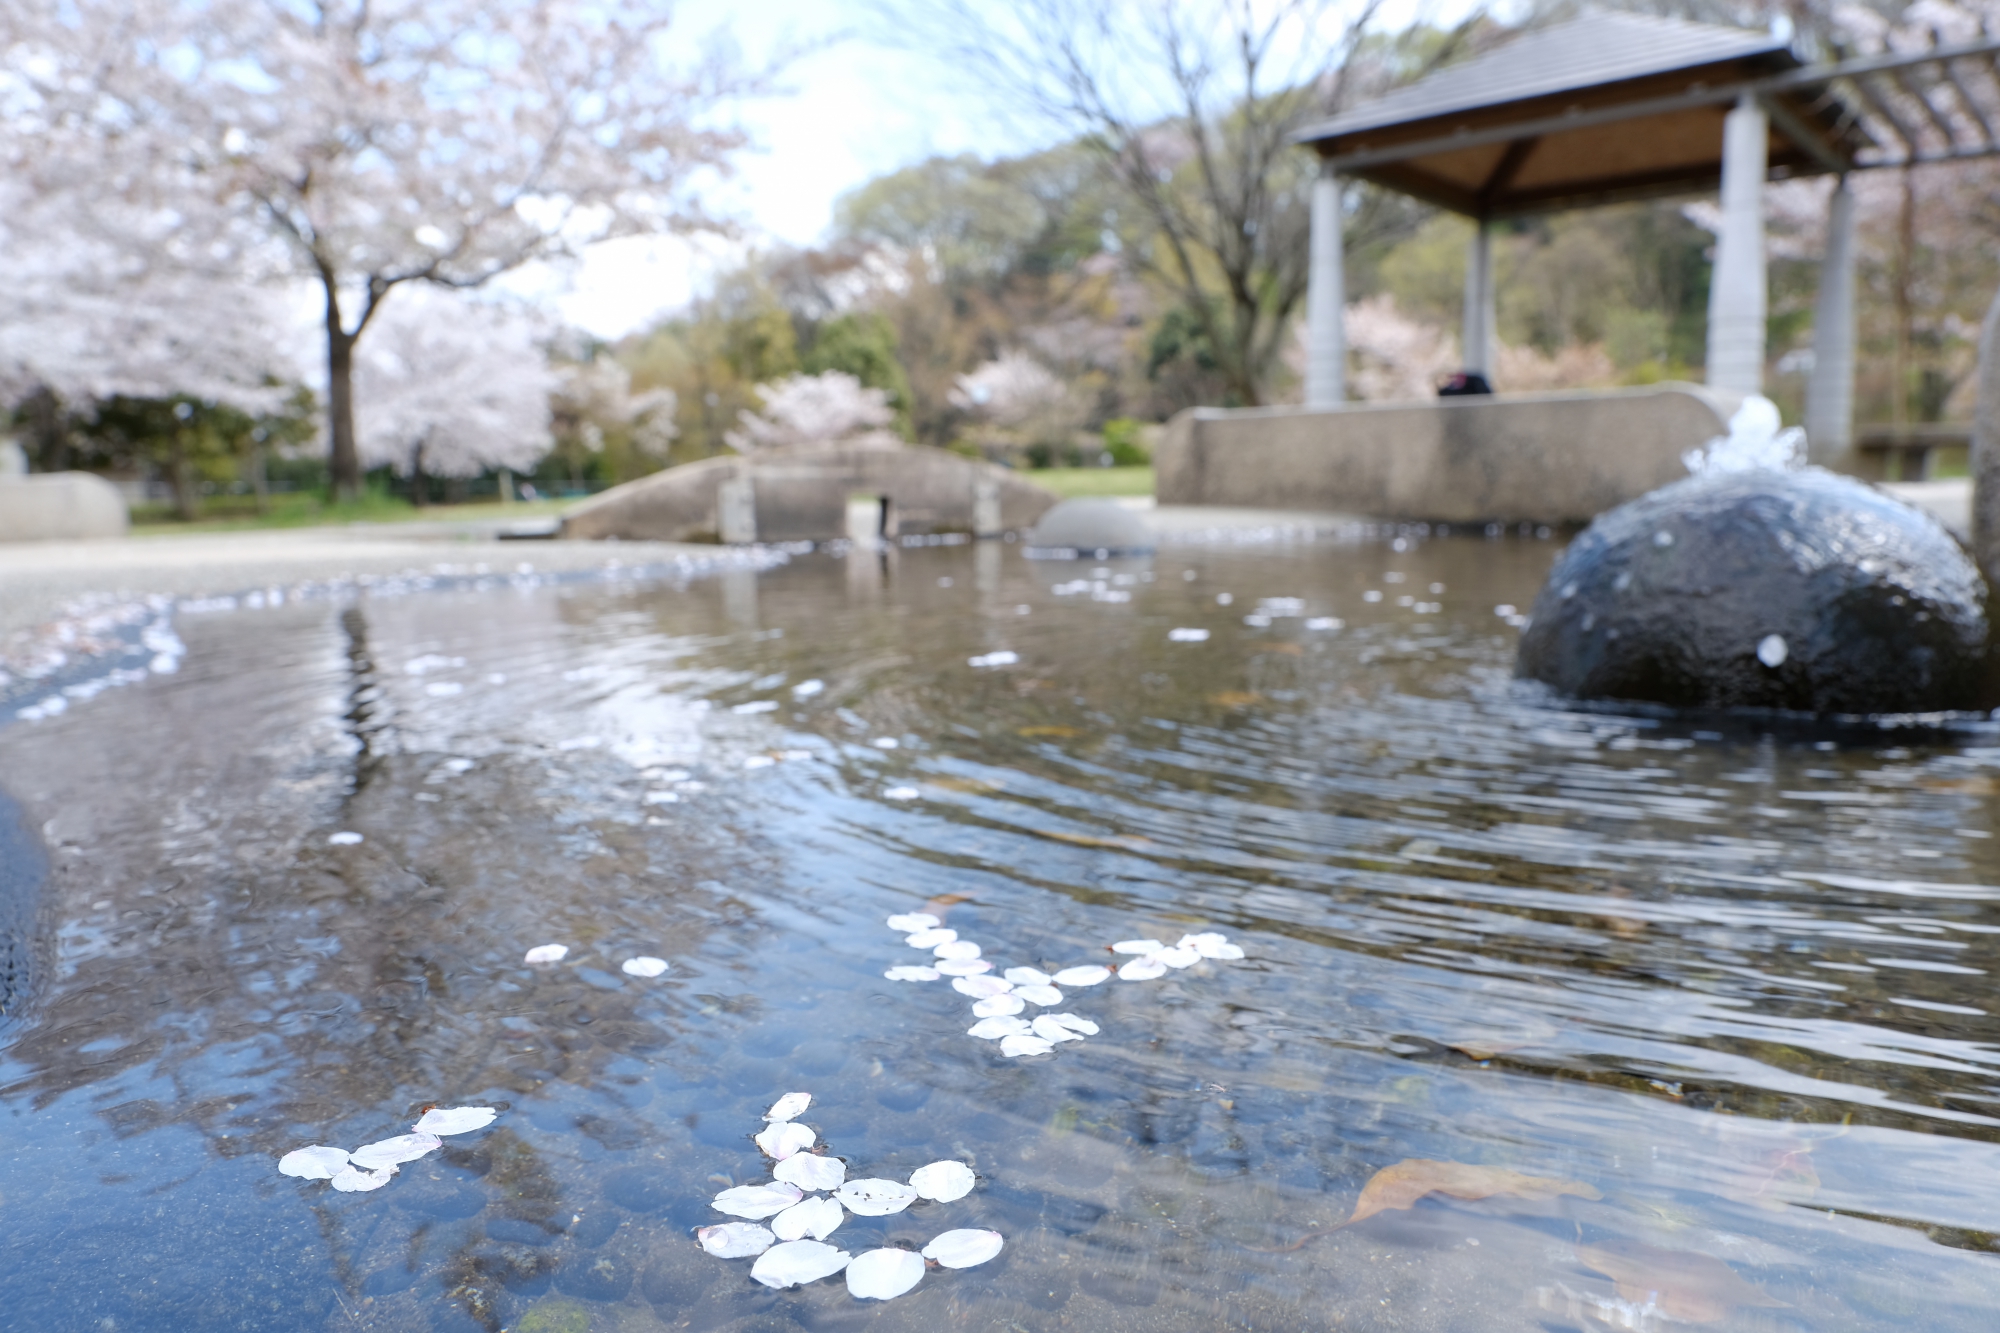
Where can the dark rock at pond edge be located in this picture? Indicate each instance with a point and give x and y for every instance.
(639, 1189)
(603, 1278)
(1797, 590)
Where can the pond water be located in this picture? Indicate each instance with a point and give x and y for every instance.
(1729, 983)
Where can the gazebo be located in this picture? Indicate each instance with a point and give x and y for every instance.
(1615, 106)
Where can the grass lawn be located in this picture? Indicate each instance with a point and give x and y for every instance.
(1073, 482)
(238, 513)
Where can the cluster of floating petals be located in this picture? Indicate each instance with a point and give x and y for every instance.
(912, 974)
(643, 967)
(547, 953)
(910, 922)
(883, 1275)
(875, 1197)
(817, 1218)
(1024, 1043)
(785, 1139)
(981, 987)
(1142, 969)
(810, 1171)
(371, 1166)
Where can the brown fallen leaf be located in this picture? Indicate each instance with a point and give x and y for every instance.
(1123, 843)
(1403, 1184)
(1057, 732)
(1698, 1288)
(1235, 698)
(1969, 786)
(941, 905)
(970, 786)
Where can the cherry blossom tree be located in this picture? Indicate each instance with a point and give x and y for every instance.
(1022, 398)
(828, 409)
(366, 145)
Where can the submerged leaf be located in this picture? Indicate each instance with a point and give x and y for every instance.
(1402, 1184)
(997, 1006)
(1053, 732)
(963, 967)
(810, 1171)
(817, 1218)
(1050, 1029)
(1088, 975)
(318, 1162)
(454, 1119)
(348, 1180)
(1142, 969)
(981, 986)
(1122, 844)
(785, 1139)
(1073, 1023)
(943, 1181)
(993, 1029)
(1026, 976)
(643, 966)
(396, 1151)
(546, 953)
(1684, 1285)
(966, 1248)
(1022, 1043)
(912, 974)
(930, 937)
(1137, 946)
(734, 1240)
(789, 1107)
(798, 1261)
(913, 921)
(876, 1197)
(1042, 995)
(757, 1201)
(955, 950)
(883, 1275)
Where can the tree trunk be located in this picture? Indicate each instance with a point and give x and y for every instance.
(260, 478)
(419, 493)
(180, 476)
(48, 429)
(343, 460)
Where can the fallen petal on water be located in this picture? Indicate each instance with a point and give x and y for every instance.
(930, 938)
(734, 1240)
(899, 794)
(798, 1261)
(788, 1107)
(1049, 1029)
(1022, 1043)
(957, 949)
(993, 1029)
(1042, 995)
(350, 1181)
(318, 1162)
(547, 953)
(883, 1275)
(344, 839)
(965, 1248)
(643, 967)
(394, 1152)
(1088, 975)
(1211, 944)
(1177, 957)
(810, 1171)
(981, 986)
(1137, 946)
(1187, 634)
(943, 1181)
(876, 1197)
(1224, 953)
(998, 1006)
(964, 967)
(810, 1217)
(1027, 976)
(1142, 969)
(912, 974)
(1074, 1024)
(910, 921)
(455, 1119)
(785, 1139)
(757, 1201)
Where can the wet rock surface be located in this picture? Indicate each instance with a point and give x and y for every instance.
(1764, 589)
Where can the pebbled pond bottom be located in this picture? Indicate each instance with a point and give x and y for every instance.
(1735, 979)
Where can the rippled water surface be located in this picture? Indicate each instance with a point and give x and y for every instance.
(1735, 981)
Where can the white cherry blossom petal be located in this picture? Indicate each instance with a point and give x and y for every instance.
(901, 794)
(1142, 969)
(1074, 1024)
(998, 1006)
(993, 1029)
(757, 1201)
(546, 953)
(394, 1152)
(956, 949)
(346, 838)
(734, 1240)
(1042, 995)
(930, 937)
(943, 1181)
(909, 921)
(1087, 975)
(348, 1180)
(876, 1197)
(318, 1162)
(1177, 957)
(454, 1119)
(814, 1217)
(966, 1248)
(798, 1261)
(981, 986)
(1211, 944)
(1137, 946)
(643, 966)
(785, 1139)
(1027, 976)
(883, 1275)
(810, 1171)
(912, 974)
(1022, 1043)
(788, 1107)
(1048, 1029)
(964, 967)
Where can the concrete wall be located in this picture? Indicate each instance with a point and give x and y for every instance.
(1551, 458)
(60, 506)
(802, 494)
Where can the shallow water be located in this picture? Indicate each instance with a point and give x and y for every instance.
(1734, 978)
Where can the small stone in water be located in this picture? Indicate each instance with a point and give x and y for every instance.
(1137, 946)
(910, 921)
(1088, 975)
(318, 1162)
(547, 953)
(1027, 976)
(810, 1171)
(931, 938)
(1042, 995)
(943, 1181)
(643, 967)
(1142, 969)
(350, 1181)
(964, 967)
(798, 1261)
(998, 1006)
(967, 1248)
(785, 1139)
(980, 987)
(876, 1198)
(344, 839)
(455, 1119)
(912, 974)
(789, 1107)
(957, 949)
(394, 1152)
(993, 1029)
(757, 1201)
(1021, 1043)
(883, 1275)
(1048, 1029)
(734, 1240)
(810, 1217)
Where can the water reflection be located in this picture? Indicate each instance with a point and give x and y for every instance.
(1732, 976)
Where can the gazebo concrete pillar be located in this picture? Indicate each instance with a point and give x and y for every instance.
(1830, 395)
(1480, 339)
(1326, 299)
(1736, 285)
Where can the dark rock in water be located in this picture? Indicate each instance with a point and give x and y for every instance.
(1764, 589)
